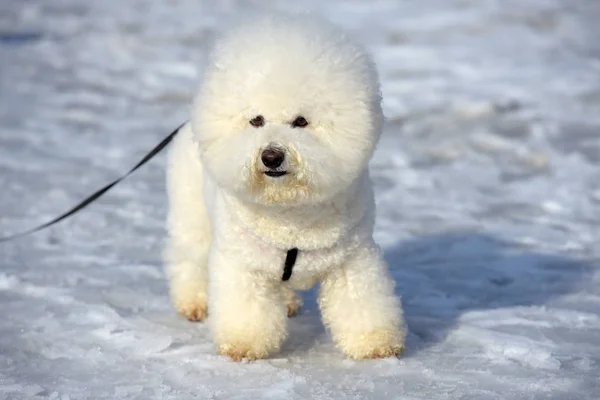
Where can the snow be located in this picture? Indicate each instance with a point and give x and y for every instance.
(487, 181)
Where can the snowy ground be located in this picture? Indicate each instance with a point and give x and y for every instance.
(488, 184)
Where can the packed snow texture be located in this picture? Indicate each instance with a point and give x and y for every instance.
(487, 182)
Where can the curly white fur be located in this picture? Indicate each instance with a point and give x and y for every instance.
(230, 225)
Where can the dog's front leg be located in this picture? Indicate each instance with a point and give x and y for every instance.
(359, 306)
(248, 311)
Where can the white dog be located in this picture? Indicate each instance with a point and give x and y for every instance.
(269, 192)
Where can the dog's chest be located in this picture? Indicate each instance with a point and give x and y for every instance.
(308, 267)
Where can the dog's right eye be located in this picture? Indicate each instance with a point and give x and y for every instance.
(257, 121)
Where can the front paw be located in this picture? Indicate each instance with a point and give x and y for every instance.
(376, 344)
(238, 352)
(241, 341)
(244, 349)
(190, 305)
(194, 311)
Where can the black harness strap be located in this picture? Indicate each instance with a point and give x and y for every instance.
(290, 260)
(99, 192)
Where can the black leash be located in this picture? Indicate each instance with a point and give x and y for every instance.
(290, 258)
(99, 192)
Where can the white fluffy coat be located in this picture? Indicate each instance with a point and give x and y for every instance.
(230, 225)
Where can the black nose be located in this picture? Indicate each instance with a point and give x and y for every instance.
(272, 158)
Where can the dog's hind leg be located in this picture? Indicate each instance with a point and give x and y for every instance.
(188, 226)
(292, 300)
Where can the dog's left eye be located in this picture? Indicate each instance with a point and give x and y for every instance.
(299, 122)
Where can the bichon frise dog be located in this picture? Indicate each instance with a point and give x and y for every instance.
(269, 192)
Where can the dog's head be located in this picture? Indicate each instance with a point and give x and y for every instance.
(289, 111)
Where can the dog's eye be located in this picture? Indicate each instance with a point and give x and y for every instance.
(257, 121)
(299, 122)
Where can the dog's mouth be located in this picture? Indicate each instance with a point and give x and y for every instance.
(275, 174)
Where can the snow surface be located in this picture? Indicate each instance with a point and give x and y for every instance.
(487, 180)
